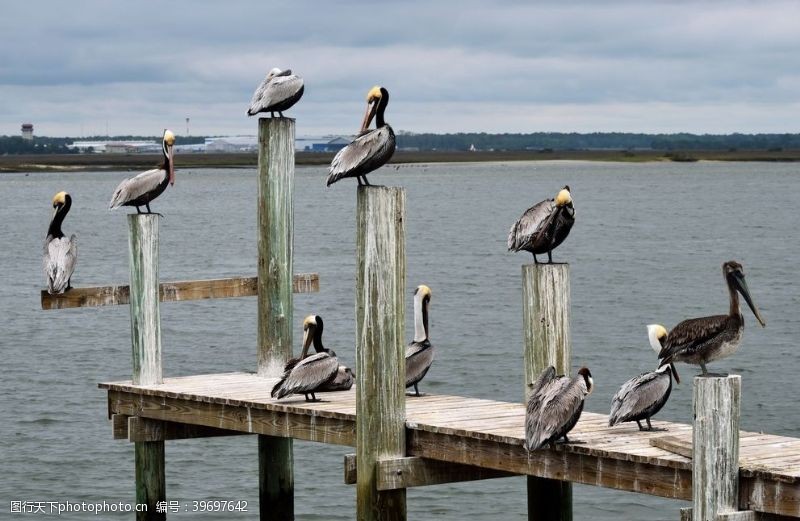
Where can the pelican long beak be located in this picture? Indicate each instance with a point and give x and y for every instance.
(372, 108)
(308, 336)
(745, 291)
(675, 373)
(171, 156)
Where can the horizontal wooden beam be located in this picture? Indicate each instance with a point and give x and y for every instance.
(743, 515)
(142, 429)
(673, 444)
(410, 472)
(96, 296)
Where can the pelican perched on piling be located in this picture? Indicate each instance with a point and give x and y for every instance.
(701, 340)
(372, 148)
(419, 353)
(140, 190)
(307, 374)
(60, 252)
(278, 92)
(554, 406)
(641, 397)
(543, 226)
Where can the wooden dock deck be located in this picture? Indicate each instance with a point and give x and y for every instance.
(485, 434)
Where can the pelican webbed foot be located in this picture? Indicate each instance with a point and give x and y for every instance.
(313, 397)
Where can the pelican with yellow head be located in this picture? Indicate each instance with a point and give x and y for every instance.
(142, 189)
(60, 252)
(543, 226)
(420, 352)
(372, 148)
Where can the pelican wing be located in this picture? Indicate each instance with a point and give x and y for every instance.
(637, 395)
(560, 401)
(59, 260)
(343, 380)
(691, 335)
(365, 154)
(273, 92)
(533, 222)
(419, 357)
(307, 375)
(135, 187)
(545, 379)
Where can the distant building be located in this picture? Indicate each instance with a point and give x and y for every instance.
(231, 144)
(334, 145)
(27, 131)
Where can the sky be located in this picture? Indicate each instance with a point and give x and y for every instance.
(79, 68)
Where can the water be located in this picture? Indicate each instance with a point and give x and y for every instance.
(647, 247)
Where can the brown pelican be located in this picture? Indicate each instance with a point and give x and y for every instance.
(702, 340)
(372, 148)
(419, 353)
(641, 397)
(140, 190)
(554, 406)
(306, 374)
(279, 91)
(60, 252)
(543, 226)
(343, 381)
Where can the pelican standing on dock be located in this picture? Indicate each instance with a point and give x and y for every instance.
(60, 252)
(555, 406)
(419, 353)
(372, 148)
(699, 341)
(142, 189)
(543, 226)
(307, 374)
(278, 92)
(641, 397)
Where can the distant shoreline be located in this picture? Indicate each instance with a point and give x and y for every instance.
(139, 162)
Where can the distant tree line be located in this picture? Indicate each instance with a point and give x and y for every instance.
(598, 140)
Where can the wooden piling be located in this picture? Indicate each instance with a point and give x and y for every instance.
(380, 347)
(715, 446)
(546, 327)
(275, 245)
(146, 346)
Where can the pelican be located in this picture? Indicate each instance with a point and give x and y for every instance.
(419, 353)
(543, 226)
(306, 374)
(554, 406)
(278, 92)
(701, 340)
(641, 397)
(372, 148)
(60, 253)
(140, 190)
(343, 381)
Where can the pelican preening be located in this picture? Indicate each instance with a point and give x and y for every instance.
(554, 406)
(641, 397)
(140, 190)
(343, 381)
(278, 92)
(701, 340)
(419, 353)
(372, 148)
(60, 252)
(308, 374)
(543, 226)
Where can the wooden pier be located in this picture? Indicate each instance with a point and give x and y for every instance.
(402, 441)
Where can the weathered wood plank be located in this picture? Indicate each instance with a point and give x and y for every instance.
(119, 426)
(673, 444)
(140, 429)
(176, 291)
(275, 300)
(411, 472)
(380, 346)
(715, 446)
(546, 329)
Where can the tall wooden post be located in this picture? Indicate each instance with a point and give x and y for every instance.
(146, 344)
(380, 347)
(715, 446)
(546, 326)
(275, 242)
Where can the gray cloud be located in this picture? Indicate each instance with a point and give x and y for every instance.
(450, 66)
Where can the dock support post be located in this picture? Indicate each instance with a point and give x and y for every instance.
(546, 326)
(715, 446)
(146, 344)
(275, 272)
(380, 347)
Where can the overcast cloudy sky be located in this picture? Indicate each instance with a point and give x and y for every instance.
(72, 68)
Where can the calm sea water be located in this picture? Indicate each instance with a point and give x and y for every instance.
(647, 247)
